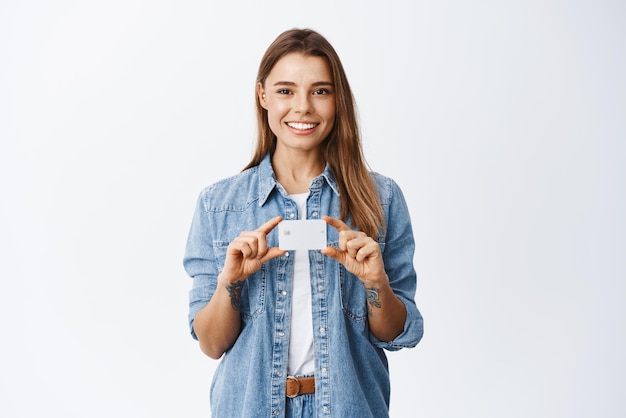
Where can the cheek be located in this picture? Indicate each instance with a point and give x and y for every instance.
(275, 121)
(330, 112)
(277, 109)
(330, 117)
(273, 117)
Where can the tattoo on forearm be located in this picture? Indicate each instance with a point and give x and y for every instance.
(234, 291)
(372, 298)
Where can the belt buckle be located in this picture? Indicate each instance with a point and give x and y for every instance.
(295, 379)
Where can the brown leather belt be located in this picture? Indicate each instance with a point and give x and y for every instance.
(297, 386)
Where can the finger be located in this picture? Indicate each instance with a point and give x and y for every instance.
(366, 251)
(256, 244)
(272, 253)
(240, 248)
(257, 241)
(269, 225)
(333, 253)
(352, 247)
(348, 236)
(338, 224)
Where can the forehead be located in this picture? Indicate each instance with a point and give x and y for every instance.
(299, 67)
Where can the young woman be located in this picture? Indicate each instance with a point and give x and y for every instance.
(302, 333)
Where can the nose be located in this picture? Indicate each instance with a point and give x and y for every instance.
(303, 104)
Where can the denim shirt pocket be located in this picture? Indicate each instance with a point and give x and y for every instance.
(353, 297)
(253, 292)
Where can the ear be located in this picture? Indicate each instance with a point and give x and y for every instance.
(260, 91)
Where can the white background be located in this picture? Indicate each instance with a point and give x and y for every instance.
(502, 121)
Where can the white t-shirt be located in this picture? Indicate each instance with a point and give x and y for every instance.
(301, 360)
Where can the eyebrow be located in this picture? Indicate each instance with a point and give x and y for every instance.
(291, 83)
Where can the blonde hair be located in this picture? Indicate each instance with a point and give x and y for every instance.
(342, 149)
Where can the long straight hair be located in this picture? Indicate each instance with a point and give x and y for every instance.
(342, 149)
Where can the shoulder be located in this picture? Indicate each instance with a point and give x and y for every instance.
(233, 192)
(386, 186)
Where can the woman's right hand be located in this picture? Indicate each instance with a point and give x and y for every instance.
(246, 254)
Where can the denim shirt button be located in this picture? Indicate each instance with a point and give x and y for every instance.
(322, 330)
(284, 293)
(275, 412)
(292, 215)
(314, 214)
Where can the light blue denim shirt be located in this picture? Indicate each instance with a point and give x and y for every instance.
(351, 372)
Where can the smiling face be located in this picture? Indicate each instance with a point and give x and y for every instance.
(299, 97)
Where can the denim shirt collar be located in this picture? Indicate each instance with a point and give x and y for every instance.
(267, 180)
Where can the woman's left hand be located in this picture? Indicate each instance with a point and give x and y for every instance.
(361, 256)
(359, 253)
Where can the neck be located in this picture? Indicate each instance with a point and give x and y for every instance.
(295, 171)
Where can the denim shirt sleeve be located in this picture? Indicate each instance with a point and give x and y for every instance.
(199, 261)
(398, 252)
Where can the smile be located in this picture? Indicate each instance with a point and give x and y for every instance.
(302, 126)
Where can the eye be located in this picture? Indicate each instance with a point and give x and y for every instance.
(283, 91)
(321, 91)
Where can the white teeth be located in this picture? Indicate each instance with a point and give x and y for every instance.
(302, 126)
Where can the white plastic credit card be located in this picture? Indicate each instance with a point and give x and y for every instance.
(306, 234)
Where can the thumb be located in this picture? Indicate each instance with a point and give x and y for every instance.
(272, 253)
(332, 252)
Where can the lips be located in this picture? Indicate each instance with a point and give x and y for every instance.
(302, 126)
